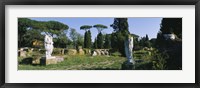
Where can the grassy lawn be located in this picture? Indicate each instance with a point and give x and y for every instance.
(143, 59)
(80, 63)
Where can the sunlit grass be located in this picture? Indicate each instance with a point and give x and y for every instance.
(81, 63)
(144, 61)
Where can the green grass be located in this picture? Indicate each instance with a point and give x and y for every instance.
(144, 61)
(141, 54)
(81, 63)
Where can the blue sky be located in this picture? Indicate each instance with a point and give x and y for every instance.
(138, 26)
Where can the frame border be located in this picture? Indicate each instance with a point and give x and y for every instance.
(3, 3)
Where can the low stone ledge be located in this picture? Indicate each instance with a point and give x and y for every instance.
(51, 60)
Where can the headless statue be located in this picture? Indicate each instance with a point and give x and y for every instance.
(48, 44)
(128, 49)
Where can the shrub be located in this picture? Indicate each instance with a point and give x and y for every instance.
(71, 51)
(159, 60)
(146, 65)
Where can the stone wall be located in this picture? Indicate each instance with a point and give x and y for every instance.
(63, 51)
(100, 52)
(24, 52)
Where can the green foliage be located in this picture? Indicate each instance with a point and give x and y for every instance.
(30, 30)
(160, 40)
(160, 60)
(85, 27)
(153, 42)
(80, 40)
(77, 38)
(174, 51)
(50, 27)
(117, 42)
(73, 36)
(87, 39)
(95, 43)
(100, 41)
(136, 44)
(148, 44)
(151, 59)
(54, 25)
(61, 41)
(120, 26)
(146, 65)
(147, 38)
(23, 24)
(172, 25)
(173, 48)
(28, 38)
(100, 27)
(107, 43)
(144, 42)
(143, 55)
(169, 26)
(87, 36)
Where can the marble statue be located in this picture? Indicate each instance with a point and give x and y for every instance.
(48, 59)
(128, 49)
(48, 44)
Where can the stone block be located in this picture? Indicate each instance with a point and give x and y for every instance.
(36, 59)
(100, 52)
(71, 51)
(81, 52)
(50, 60)
(94, 53)
(59, 58)
(22, 53)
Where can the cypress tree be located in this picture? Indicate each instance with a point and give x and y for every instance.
(107, 41)
(147, 38)
(100, 41)
(87, 36)
(95, 43)
(85, 40)
(89, 40)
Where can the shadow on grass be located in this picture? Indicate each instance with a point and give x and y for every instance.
(139, 65)
(126, 66)
(26, 61)
(144, 66)
(102, 69)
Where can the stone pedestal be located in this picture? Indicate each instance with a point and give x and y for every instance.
(21, 53)
(127, 66)
(51, 60)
